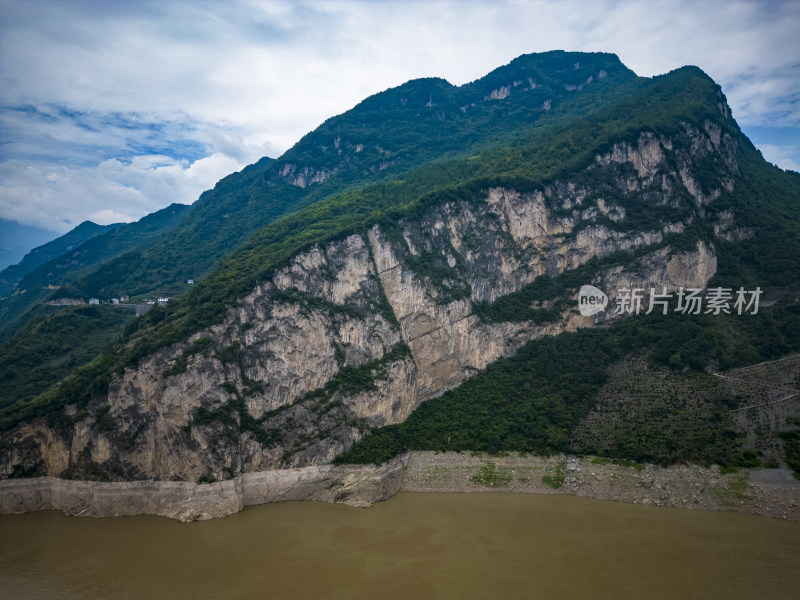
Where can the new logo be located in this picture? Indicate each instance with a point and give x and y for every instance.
(591, 300)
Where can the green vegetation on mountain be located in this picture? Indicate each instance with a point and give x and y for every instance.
(12, 275)
(766, 200)
(791, 440)
(50, 347)
(527, 165)
(383, 137)
(36, 286)
(535, 401)
(74, 265)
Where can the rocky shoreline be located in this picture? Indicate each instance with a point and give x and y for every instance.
(764, 492)
(186, 501)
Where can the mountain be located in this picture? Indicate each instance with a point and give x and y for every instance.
(381, 138)
(17, 239)
(53, 278)
(49, 347)
(12, 275)
(437, 306)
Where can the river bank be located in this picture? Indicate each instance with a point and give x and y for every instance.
(763, 492)
(185, 501)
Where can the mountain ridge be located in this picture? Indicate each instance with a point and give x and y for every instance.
(18, 240)
(46, 280)
(13, 274)
(315, 167)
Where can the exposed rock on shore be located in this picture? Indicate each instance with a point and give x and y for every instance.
(764, 492)
(355, 486)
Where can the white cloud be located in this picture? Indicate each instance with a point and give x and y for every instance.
(107, 216)
(208, 86)
(781, 156)
(115, 191)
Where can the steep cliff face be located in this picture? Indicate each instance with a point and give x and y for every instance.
(357, 332)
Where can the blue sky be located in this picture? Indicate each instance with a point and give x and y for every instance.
(111, 110)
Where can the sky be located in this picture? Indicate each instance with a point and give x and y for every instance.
(110, 110)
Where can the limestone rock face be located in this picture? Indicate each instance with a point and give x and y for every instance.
(357, 332)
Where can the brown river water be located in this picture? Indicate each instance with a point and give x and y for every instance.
(416, 546)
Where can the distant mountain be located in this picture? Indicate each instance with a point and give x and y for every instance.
(42, 282)
(17, 239)
(12, 275)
